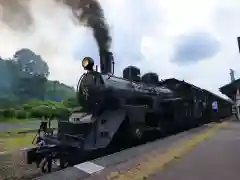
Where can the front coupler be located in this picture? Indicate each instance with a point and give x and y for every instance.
(45, 156)
(67, 151)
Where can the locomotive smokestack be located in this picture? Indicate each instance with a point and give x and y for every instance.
(106, 61)
(91, 14)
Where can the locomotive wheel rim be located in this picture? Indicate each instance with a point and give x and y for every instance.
(44, 166)
(63, 163)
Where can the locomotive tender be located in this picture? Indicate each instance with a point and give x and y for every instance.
(116, 110)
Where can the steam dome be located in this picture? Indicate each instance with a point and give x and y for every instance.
(132, 73)
(150, 78)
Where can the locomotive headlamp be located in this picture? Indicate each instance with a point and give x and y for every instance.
(88, 63)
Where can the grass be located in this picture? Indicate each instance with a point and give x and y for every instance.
(15, 120)
(17, 132)
(21, 130)
(13, 141)
(16, 142)
(17, 138)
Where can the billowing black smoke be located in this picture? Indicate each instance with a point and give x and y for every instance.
(94, 16)
(91, 13)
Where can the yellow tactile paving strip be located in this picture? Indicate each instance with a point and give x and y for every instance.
(156, 162)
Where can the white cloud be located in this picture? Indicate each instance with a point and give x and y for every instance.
(53, 35)
(144, 34)
(183, 18)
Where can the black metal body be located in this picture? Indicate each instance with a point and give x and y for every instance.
(200, 99)
(116, 91)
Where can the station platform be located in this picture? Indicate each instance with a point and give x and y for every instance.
(209, 152)
(215, 159)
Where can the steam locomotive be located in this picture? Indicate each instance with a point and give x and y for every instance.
(116, 110)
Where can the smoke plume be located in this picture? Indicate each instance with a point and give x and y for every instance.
(90, 12)
(51, 29)
(10, 10)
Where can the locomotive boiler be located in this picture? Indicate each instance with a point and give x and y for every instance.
(114, 110)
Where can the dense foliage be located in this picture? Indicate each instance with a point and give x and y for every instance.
(38, 109)
(25, 90)
(24, 77)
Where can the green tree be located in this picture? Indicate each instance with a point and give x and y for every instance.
(9, 113)
(71, 102)
(31, 64)
(24, 77)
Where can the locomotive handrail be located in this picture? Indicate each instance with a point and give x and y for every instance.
(79, 81)
(78, 86)
(79, 137)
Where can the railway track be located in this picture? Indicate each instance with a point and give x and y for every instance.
(14, 167)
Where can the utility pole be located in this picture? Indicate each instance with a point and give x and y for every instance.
(237, 96)
(238, 39)
(232, 75)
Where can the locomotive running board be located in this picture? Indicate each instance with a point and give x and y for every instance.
(173, 99)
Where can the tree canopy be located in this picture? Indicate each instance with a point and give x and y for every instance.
(30, 64)
(24, 77)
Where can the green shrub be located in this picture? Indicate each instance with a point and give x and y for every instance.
(62, 113)
(1, 113)
(34, 102)
(71, 102)
(22, 114)
(40, 111)
(27, 107)
(9, 113)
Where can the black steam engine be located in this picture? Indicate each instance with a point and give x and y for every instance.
(117, 110)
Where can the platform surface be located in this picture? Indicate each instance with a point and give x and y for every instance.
(215, 159)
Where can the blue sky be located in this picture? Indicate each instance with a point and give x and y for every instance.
(194, 40)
